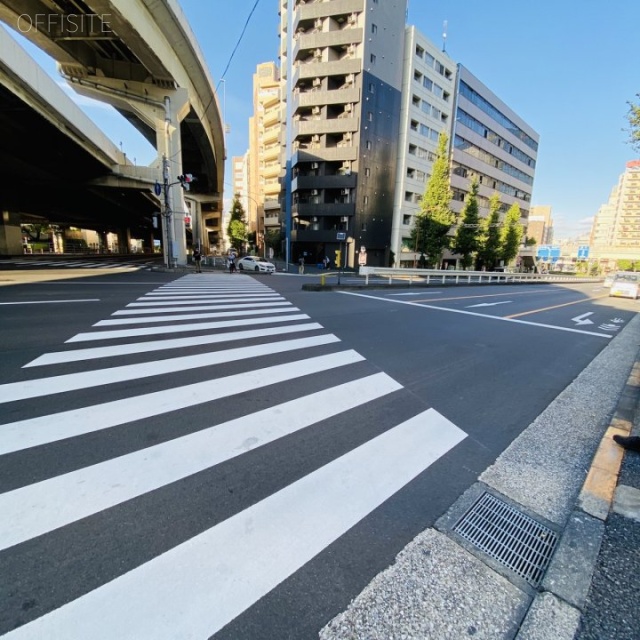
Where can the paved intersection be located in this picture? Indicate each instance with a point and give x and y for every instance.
(149, 507)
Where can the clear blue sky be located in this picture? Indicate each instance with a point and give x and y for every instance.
(566, 67)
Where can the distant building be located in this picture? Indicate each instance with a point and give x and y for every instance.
(265, 146)
(540, 224)
(615, 233)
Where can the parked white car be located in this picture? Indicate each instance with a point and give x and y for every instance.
(255, 263)
(625, 285)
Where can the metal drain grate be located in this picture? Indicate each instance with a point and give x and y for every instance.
(515, 540)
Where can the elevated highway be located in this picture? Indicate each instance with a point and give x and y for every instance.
(141, 57)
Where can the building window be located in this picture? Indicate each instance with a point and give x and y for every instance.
(366, 200)
(373, 58)
(367, 172)
(419, 51)
(374, 28)
(372, 87)
(370, 116)
(406, 220)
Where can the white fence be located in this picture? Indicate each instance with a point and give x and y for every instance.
(439, 276)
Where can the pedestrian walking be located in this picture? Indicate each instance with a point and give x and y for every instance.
(232, 263)
(197, 258)
(301, 265)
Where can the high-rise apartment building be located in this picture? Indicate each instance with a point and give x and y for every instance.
(341, 66)
(428, 88)
(615, 233)
(263, 194)
(492, 144)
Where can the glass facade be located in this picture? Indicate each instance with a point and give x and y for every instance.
(484, 105)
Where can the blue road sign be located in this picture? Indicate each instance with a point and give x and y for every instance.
(549, 252)
(583, 251)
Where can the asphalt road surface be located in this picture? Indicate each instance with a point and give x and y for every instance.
(226, 455)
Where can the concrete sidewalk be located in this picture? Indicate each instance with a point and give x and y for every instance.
(560, 477)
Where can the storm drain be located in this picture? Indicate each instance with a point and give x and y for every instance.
(513, 539)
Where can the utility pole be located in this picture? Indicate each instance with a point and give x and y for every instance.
(166, 214)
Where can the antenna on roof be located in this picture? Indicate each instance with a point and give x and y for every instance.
(444, 36)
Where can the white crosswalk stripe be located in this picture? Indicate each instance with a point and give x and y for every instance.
(265, 347)
(84, 264)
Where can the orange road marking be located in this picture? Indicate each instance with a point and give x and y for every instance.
(487, 295)
(557, 306)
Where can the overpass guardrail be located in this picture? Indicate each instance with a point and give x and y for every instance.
(440, 276)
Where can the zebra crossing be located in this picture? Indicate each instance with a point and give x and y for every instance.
(81, 264)
(133, 507)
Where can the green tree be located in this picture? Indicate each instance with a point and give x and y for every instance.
(430, 234)
(512, 232)
(489, 251)
(272, 238)
(468, 236)
(633, 116)
(237, 228)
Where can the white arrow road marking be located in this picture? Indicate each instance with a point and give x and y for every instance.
(489, 304)
(583, 318)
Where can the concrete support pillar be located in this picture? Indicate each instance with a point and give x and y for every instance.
(169, 143)
(163, 109)
(124, 240)
(10, 234)
(104, 242)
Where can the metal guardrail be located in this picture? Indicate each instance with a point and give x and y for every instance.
(427, 276)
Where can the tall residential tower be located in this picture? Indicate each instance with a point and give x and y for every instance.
(341, 64)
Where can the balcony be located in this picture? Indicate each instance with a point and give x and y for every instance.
(308, 209)
(309, 235)
(335, 125)
(323, 182)
(322, 39)
(313, 10)
(331, 154)
(324, 69)
(316, 98)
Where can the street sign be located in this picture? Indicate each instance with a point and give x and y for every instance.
(583, 251)
(549, 252)
(341, 235)
(157, 189)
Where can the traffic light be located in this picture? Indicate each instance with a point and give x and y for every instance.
(185, 181)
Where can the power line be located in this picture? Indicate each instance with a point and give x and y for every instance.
(246, 24)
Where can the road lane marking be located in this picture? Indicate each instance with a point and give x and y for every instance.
(53, 301)
(416, 303)
(557, 306)
(207, 581)
(495, 295)
(59, 357)
(227, 297)
(262, 307)
(16, 436)
(489, 304)
(44, 506)
(195, 326)
(40, 387)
